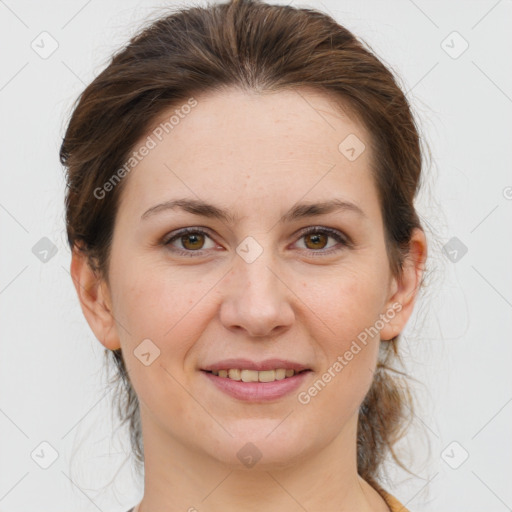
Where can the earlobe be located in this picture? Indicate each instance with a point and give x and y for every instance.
(405, 289)
(94, 297)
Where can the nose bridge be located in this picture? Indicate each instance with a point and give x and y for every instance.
(257, 300)
(256, 275)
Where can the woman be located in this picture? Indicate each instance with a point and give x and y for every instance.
(240, 209)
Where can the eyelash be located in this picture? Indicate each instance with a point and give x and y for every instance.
(339, 237)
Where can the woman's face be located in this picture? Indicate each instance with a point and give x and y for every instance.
(252, 284)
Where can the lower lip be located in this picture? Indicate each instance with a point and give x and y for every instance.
(257, 391)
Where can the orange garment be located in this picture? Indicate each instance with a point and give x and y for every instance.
(393, 504)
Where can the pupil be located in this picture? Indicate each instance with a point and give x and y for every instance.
(194, 238)
(315, 238)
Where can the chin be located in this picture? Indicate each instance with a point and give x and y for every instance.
(265, 448)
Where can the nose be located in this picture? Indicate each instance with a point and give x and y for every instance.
(257, 298)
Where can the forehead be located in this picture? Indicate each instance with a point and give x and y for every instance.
(302, 118)
(274, 145)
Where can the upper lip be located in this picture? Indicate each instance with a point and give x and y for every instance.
(246, 364)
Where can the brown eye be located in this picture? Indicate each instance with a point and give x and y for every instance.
(192, 241)
(317, 240)
(189, 240)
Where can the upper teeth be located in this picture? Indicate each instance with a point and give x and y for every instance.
(254, 375)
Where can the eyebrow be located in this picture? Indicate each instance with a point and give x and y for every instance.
(299, 211)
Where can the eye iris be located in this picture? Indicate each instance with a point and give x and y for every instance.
(195, 237)
(315, 237)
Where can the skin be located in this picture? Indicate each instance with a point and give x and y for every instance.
(256, 155)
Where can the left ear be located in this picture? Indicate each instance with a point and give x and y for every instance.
(404, 289)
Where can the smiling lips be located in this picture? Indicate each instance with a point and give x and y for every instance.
(256, 381)
(249, 371)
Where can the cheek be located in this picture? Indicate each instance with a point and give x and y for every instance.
(347, 304)
(155, 302)
(349, 347)
(171, 308)
(350, 342)
(165, 307)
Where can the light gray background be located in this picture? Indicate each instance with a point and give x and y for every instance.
(52, 380)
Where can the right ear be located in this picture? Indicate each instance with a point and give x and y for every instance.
(95, 300)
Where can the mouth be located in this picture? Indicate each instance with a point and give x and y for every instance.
(256, 386)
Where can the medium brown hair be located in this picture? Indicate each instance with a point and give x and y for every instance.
(254, 46)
